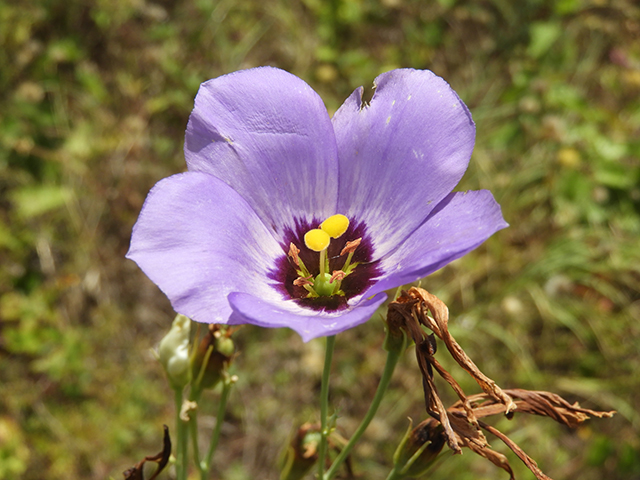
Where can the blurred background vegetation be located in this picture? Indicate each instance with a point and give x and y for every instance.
(94, 99)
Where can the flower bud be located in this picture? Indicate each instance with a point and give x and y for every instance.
(211, 359)
(396, 336)
(419, 448)
(302, 453)
(173, 352)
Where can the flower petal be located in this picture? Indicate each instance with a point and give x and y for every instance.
(459, 224)
(402, 154)
(198, 240)
(251, 309)
(268, 135)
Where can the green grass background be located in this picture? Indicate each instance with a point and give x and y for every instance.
(94, 99)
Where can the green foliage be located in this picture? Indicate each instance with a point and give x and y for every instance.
(94, 98)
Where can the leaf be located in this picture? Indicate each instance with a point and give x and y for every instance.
(162, 458)
(33, 201)
(542, 36)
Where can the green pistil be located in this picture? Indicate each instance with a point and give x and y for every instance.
(322, 286)
(323, 263)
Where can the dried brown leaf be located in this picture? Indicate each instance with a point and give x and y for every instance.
(526, 459)
(162, 458)
(541, 403)
(433, 404)
(460, 422)
(439, 325)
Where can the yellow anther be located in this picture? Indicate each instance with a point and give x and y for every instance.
(335, 225)
(316, 239)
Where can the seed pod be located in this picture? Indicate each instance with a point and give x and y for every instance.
(419, 448)
(212, 357)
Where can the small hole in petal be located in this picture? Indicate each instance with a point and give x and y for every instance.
(367, 96)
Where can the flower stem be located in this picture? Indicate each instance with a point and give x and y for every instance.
(192, 425)
(392, 359)
(193, 430)
(215, 438)
(395, 474)
(182, 446)
(324, 405)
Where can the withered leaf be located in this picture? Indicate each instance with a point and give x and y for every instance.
(526, 459)
(162, 458)
(438, 324)
(541, 403)
(460, 424)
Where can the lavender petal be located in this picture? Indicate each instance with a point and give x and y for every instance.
(459, 224)
(268, 135)
(402, 154)
(309, 324)
(198, 240)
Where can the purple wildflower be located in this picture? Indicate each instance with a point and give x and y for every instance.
(225, 240)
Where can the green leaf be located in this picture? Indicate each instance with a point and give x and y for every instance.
(542, 36)
(33, 201)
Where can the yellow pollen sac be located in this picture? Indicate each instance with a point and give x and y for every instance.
(316, 239)
(335, 225)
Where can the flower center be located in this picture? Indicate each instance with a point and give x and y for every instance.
(318, 240)
(325, 266)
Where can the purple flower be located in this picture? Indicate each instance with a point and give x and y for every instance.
(266, 164)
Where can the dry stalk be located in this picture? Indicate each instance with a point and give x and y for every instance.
(460, 424)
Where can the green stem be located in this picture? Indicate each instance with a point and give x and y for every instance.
(193, 430)
(324, 405)
(196, 389)
(194, 396)
(215, 438)
(392, 359)
(182, 446)
(395, 475)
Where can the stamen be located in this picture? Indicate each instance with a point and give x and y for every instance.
(302, 281)
(335, 225)
(318, 240)
(293, 253)
(350, 247)
(323, 273)
(337, 275)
